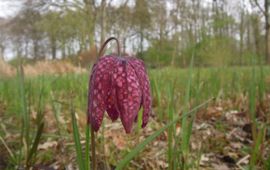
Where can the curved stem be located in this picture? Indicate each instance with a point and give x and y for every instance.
(93, 146)
(93, 149)
(106, 42)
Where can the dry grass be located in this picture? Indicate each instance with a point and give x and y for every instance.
(5, 69)
(40, 68)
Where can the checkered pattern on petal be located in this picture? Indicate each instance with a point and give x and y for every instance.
(119, 86)
(100, 86)
(145, 85)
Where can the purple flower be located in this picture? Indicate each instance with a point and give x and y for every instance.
(119, 86)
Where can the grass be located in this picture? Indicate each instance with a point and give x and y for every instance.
(213, 81)
(152, 137)
(28, 139)
(175, 92)
(258, 127)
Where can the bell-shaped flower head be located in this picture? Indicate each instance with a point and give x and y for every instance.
(119, 86)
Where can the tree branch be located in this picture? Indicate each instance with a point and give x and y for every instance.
(259, 6)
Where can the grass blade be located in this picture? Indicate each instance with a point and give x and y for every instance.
(8, 149)
(24, 141)
(34, 147)
(87, 148)
(256, 148)
(76, 135)
(171, 129)
(139, 124)
(152, 137)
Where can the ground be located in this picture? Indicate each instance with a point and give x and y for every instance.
(230, 132)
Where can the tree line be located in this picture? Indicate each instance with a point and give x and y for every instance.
(162, 32)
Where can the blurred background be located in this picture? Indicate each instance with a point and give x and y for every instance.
(162, 32)
(208, 65)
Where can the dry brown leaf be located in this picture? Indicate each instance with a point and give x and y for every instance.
(47, 145)
(236, 145)
(220, 167)
(119, 142)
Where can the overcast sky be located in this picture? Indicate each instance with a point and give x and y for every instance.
(9, 7)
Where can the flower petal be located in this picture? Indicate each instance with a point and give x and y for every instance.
(139, 67)
(112, 109)
(99, 85)
(128, 93)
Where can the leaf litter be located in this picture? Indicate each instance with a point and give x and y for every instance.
(221, 134)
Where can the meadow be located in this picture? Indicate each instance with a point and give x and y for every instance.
(202, 118)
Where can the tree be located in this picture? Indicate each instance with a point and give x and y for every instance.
(24, 30)
(141, 19)
(119, 20)
(90, 14)
(265, 11)
(102, 21)
(50, 26)
(3, 37)
(241, 33)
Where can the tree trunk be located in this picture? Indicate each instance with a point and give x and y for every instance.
(2, 51)
(267, 32)
(36, 49)
(63, 49)
(249, 45)
(26, 49)
(176, 35)
(124, 45)
(256, 34)
(267, 56)
(215, 16)
(53, 48)
(64, 55)
(241, 37)
(103, 22)
(141, 42)
(91, 19)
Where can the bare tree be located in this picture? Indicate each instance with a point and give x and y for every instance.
(141, 19)
(3, 38)
(265, 11)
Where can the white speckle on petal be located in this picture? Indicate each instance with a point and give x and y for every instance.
(119, 83)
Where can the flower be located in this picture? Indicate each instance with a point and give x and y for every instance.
(119, 86)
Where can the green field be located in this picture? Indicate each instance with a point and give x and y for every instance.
(233, 126)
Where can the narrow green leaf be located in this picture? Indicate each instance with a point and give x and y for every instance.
(134, 152)
(11, 154)
(139, 124)
(256, 147)
(34, 147)
(171, 129)
(87, 148)
(76, 135)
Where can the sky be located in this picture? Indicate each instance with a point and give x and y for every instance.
(9, 8)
